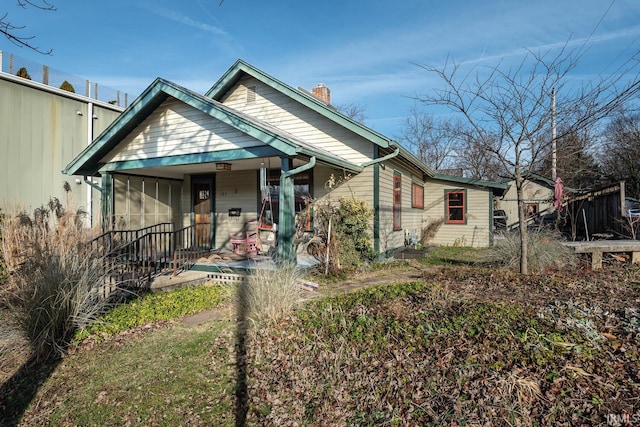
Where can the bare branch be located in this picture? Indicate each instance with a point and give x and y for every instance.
(10, 30)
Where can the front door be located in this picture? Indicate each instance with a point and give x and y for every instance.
(203, 190)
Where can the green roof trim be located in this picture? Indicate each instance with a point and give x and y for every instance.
(472, 181)
(188, 159)
(87, 162)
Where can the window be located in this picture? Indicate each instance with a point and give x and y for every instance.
(455, 207)
(270, 204)
(397, 201)
(532, 210)
(417, 196)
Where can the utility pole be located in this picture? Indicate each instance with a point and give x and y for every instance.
(553, 135)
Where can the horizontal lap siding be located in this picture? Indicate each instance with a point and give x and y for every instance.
(175, 129)
(284, 113)
(234, 190)
(411, 220)
(476, 231)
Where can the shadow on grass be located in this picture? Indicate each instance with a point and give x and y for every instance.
(17, 393)
(242, 392)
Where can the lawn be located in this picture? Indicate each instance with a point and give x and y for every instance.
(455, 343)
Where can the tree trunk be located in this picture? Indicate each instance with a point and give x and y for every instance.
(524, 267)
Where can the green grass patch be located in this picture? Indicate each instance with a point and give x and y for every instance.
(447, 255)
(176, 376)
(155, 307)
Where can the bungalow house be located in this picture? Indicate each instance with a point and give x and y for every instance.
(205, 161)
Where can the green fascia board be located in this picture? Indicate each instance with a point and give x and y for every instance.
(233, 74)
(131, 117)
(472, 181)
(86, 163)
(188, 159)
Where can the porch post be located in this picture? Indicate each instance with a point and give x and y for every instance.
(287, 218)
(107, 201)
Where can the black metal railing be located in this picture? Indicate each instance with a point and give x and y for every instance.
(134, 258)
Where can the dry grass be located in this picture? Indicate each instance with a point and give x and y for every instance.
(545, 248)
(53, 282)
(270, 294)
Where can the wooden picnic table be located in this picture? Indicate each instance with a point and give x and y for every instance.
(598, 247)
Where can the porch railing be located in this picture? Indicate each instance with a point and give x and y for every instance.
(134, 257)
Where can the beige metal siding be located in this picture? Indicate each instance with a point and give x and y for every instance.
(476, 231)
(40, 133)
(283, 112)
(175, 128)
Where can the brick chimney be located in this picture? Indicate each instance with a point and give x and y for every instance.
(322, 92)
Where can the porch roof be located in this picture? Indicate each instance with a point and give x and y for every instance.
(88, 162)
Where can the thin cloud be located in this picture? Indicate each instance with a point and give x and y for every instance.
(185, 20)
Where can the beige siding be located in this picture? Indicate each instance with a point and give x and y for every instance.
(175, 128)
(281, 111)
(476, 231)
(234, 190)
(411, 220)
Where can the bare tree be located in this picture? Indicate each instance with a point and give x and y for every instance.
(353, 111)
(431, 140)
(11, 31)
(508, 109)
(575, 162)
(476, 162)
(620, 154)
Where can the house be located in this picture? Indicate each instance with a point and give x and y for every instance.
(42, 128)
(538, 192)
(204, 161)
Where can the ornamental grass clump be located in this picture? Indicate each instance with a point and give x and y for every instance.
(545, 251)
(54, 281)
(269, 294)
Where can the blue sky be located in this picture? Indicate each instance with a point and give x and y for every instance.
(365, 51)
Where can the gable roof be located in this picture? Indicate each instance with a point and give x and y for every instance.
(87, 162)
(242, 68)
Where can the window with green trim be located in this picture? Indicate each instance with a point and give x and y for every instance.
(417, 196)
(455, 205)
(397, 201)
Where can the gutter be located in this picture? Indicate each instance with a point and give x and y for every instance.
(381, 159)
(93, 185)
(299, 169)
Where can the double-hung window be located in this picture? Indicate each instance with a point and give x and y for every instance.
(455, 205)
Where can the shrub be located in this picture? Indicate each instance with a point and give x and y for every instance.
(22, 72)
(53, 288)
(352, 232)
(67, 86)
(545, 250)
